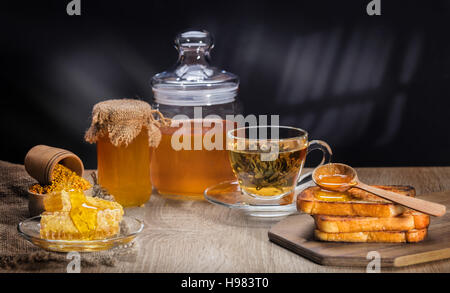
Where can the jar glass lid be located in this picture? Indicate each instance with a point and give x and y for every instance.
(193, 82)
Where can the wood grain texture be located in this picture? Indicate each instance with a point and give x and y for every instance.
(295, 233)
(185, 236)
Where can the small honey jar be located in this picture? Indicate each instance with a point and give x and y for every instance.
(125, 132)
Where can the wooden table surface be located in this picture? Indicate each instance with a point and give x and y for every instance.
(196, 236)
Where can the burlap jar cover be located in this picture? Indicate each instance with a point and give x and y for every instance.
(122, 121)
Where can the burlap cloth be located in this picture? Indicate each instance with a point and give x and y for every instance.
(16, 252)
(121, 120)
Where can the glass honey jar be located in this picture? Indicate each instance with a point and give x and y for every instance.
(198, 98)
(123, 130)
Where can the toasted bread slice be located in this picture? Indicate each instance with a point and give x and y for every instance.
(378, 236)
(364, 195)
(355, 202)
(343, 224)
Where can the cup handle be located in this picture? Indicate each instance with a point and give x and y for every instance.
(326, 157)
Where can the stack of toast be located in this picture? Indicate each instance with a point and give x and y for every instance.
(360, 216)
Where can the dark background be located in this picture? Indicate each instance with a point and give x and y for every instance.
(375, 87)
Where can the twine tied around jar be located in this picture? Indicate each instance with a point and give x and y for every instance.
(121, 120)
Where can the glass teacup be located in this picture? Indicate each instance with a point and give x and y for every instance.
(268, 160)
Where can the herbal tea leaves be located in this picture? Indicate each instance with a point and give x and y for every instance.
(267, 178)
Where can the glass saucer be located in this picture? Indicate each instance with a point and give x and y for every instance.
(129, 228)
(229, 194)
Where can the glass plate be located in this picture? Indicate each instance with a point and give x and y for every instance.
(129, 228)
(229, 194)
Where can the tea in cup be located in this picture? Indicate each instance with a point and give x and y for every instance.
(268, 160)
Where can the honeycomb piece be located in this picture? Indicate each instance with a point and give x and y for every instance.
(57, 201)
(71, 215)
(83, 215)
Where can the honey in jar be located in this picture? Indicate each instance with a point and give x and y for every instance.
(193, 91)
(125, 132)
(188, 172)
(125, 170)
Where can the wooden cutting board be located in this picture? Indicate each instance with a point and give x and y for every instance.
(296, 234)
